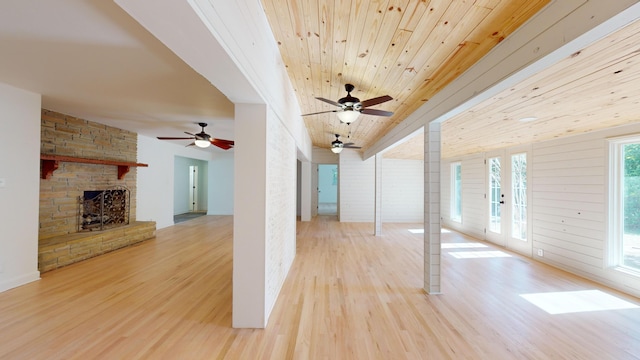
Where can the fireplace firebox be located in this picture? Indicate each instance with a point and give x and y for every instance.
(104, 209)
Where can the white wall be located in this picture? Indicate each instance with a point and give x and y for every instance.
(156, 182)
(280, 207)
(569, 204)
(357, 187)
(221, 184)
(19, 186)
(402, 190)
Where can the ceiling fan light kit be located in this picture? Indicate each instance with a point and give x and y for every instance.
(351, 107)
(348, 116)
(202, 143)
(337, 145)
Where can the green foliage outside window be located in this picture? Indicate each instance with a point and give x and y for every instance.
(632, 188)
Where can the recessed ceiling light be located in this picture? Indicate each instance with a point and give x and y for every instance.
(528, 119)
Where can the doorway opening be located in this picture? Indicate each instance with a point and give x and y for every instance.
(190, 195)
(327, 189)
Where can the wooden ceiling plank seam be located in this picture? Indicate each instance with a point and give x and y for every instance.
(373, 21)
(511, 16)
(388, 28)
(356, 29)
(325, 20)
(400, 39)
(447, 39)
(283, 29)
(340, 35)
(489, 4)
(408, 24)
(413, 13)
(300, 50)
(421, 65)
(315, 62)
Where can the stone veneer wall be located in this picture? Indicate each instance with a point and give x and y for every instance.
(70, 136)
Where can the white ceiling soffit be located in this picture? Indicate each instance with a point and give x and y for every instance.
(89, 59)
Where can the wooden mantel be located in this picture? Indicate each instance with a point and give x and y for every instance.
(50, 164)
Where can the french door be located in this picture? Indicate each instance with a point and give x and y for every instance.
(495, 198)
(508, 197)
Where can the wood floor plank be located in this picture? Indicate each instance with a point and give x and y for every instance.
(349, 295)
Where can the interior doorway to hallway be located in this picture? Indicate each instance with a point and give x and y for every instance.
(327, 189)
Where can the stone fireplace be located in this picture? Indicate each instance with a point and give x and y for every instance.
(66, 233)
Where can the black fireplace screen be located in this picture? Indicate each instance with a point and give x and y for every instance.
(103, 209)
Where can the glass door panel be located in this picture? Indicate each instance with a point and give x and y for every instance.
(519, 193)
(495, 184)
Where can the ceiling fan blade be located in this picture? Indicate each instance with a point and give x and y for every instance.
(320, 112)
(376, 101)
(329, 101)
(223, 144)
(188, 133)
(192, 144)
(174, 138)
(376, 112)
(351, 146)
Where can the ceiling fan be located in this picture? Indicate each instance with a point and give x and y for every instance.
(203, 139)
(337, 145)
(351, 107)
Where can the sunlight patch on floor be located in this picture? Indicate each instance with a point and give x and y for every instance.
(421, 231)
(478, 254)
(577, 301)
(462, 245)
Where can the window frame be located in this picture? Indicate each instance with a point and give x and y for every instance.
(615, 214)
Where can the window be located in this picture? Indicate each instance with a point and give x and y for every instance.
(456, 192)
(624, 237)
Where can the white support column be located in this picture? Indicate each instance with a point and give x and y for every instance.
(432, 208)
(306, 191)
(249, 220)
(378, 196)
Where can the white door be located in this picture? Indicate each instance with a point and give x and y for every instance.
(193, 188)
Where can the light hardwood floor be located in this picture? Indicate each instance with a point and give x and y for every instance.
(349, 295)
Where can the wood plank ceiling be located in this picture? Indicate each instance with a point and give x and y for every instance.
(408, 49)
(592, 89)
